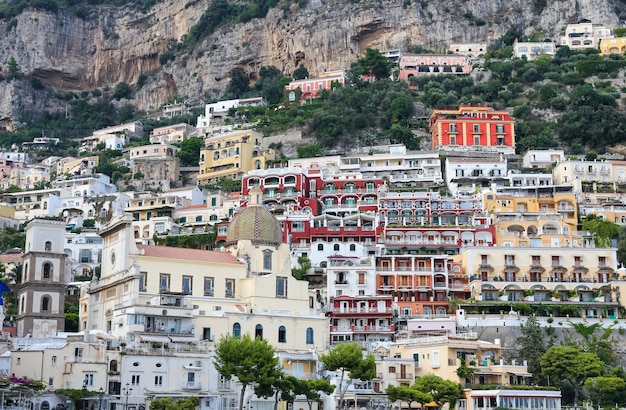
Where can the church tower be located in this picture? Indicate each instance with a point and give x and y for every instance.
(41, 291)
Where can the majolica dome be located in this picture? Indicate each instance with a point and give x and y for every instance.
(256, 224)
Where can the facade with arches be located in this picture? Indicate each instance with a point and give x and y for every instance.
(232, 155)
(45, 274)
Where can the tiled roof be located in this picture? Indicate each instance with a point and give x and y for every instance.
(11, 258)
(168, 252)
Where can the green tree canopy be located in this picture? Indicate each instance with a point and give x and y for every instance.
(189, 153)
(247, 359)
(373, 63)
(347, 358)
(532, 346)
(598, 387)
(571, 366)
(442, 390)
(300, 73)
(408, 394)
(312, 389)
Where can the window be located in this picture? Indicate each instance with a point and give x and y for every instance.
(113, 366)
(45, 303)
(267, 260)
(53, 361)
(436, 363)
(236, 330)
(187, 284)
(47, 268)
(208, 286)
(135, 379)
(476, 128)
(336, 247)
(258, 332)
(191, 377)
(452, 139)
(282, 334)
(361, 278)
(230, 288)
(309, 335)
(143, 278)
(281, 287)
(48, 246)
(352, 247)
(88, 380)
(206, 333)
(158, 381)
(320, 247)
(164, 281)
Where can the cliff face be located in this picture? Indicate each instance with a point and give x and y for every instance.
(112, 45)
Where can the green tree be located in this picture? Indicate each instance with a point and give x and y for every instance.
(122, 90)
(12, 67)
(598, 387)
(409, 394)
(247, 359)
(311, 389)
(308, 151)
(239, 84)
(442, 390)
(347, 358)
(279, 388)
(570, 366)
(604, 229)
(300, 73)
(189, 153)
(532, 346)
(373, 63)
(601, 345)
(465, 372)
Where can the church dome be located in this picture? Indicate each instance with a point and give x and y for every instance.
(256, 224)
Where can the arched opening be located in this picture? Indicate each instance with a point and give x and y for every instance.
(237, 330)
(48, 246)
(282, 334)
(45, 303)
(47, 270)
(309, 335)
(258, 332)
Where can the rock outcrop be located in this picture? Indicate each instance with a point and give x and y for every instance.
(111, 45)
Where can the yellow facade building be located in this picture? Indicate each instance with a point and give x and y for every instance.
(231, 155)
(610, 46)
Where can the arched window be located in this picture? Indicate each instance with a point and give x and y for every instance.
(45, 303)
(53, 361)
(352, 247)
(267, 260)
(320, 246)
(47, 269)
(336, 247)
(113, 366)
(258, 332)
(282, 334)
(48, 246)
(309, 335)
(237, 330)
(22, 303)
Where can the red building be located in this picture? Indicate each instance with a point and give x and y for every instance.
(311, 87)
(475, 127)
(361, 319)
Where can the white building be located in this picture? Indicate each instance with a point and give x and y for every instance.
(585, 35)
(532, 50)
(469, 50)
(542, 158)
(216, 112)
(467, 175)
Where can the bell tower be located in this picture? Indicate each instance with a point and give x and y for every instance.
(41, 291)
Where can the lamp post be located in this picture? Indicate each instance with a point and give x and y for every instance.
(100, 394)
(126, 391)
(84, 393)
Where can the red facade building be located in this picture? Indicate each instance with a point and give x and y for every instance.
(476, 127)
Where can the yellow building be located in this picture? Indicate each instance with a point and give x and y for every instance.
(534, 216)
(442, 356)
(76, 166)
(610, 46)
(580, 277)
(231, 155)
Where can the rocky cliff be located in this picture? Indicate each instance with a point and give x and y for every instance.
(112, 45)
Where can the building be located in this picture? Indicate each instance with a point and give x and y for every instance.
(610, 46)
(577, 277)
(477, 128)
(516, 178)
(172, 133)
(231, 155)
(467, 175)
(216, 113)
(361, 319)
(586, 176)
(542, 158)
(41, 293)
(532, 50)
(416, 65)
(155, 166)
(76, 166)
(469, 50)
(309, 88)
(32, 204)
(585, 35)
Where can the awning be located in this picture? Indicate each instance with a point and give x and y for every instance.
(155, 338)
(183, 339)
(105, 336)
(431, 404)
(522, 374)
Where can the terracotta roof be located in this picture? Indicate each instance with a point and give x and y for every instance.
(199, 206)
(11, 258)
(168, 252)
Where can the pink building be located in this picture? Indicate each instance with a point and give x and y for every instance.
(310, 87)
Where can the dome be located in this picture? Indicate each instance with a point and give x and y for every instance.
(256, 224)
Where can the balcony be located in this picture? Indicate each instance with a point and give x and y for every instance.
(192, 386)
(404, 376)
(224, 386)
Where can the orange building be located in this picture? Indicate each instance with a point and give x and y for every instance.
(311, 87)
(469, 127)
